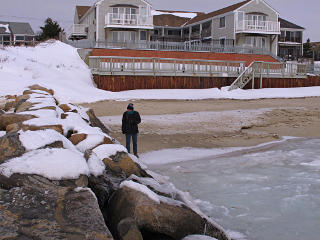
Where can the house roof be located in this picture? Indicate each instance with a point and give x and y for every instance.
(20, 28)
(169, 20)
(218, 12)
(286, 24)
(82, 10)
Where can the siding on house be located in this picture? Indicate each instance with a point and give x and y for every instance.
(227, 31)
(259, 6)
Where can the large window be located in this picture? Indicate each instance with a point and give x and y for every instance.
(143, 35)
(123, 36)
(259, 42)
(256, 19)
(222, 22)
(20, 38)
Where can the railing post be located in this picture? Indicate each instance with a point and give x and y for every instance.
(253, 79)
(111, 67)
(154, 67)
(175, 72)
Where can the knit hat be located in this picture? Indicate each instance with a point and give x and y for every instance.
(130, 106)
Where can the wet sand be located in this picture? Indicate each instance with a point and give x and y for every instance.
(214, 123)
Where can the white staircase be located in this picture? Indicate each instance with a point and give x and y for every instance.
(244, 78)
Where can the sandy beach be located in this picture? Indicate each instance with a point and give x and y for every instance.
(214, 123)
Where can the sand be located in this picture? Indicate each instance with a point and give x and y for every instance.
(214, 123)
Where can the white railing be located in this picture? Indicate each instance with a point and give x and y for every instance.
(258, 26)
(164, 66)
(78, 29)
(128, 19)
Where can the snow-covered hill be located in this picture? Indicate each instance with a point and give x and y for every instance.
(57, 66)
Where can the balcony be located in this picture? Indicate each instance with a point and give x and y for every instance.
(256, 26)
(128, 21)
(78, 31)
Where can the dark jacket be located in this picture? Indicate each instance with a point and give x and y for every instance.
(130, 122)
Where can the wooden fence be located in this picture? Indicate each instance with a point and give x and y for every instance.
(118, 83)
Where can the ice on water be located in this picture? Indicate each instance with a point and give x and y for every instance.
(269, 194)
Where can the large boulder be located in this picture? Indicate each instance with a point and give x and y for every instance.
(38, 87)
(157, 217)
(95, 122)
(11, 118)
(44, 210)
(18, 126)
(10, 147)
(122, 162)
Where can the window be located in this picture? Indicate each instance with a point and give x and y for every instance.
(222, 22)
(143, 35)
(20, 38)
(258, 42)
(222, 42)
(125, 36)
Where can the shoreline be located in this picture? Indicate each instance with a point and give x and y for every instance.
(214, 123)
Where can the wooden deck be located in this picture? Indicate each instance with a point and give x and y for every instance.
(118, 83)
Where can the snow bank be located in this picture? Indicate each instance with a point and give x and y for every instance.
(54, 164)
(141, 188)
(57, 66)
(198, 237)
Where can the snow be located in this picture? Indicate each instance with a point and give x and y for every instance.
(107, 150)
(2, 133)
(95, 165)
(54, 164)
(198, 237)
(32, 140)
(90, 142)
(6, 26)
(57, 66)
(141, 188)
(178, 14)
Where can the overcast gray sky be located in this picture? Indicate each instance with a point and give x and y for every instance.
(305, 13)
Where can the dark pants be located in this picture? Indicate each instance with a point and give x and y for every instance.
(134, 141)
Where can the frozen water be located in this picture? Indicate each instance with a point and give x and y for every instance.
(269, 194)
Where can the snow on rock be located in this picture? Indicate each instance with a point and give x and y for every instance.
(198, 237)
(54, 164)
(96, 166)
(107, 150)
(2, 133)
(90, 142)
(141, 188)
(32, 140)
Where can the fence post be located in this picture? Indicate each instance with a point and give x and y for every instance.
(253, 79)
(111, 67)
(154, 67)
(175, 72)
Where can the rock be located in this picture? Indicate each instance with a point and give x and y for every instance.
(11, 118)
(121, 162)
(10, 147)
(157, 220)
(10, 105)
(128, 230)
(95, 122)
(29, 92)
(18, 126)
(23, 106)
(43, 210)
(1, 112)
(38, 87)
(65, 107)
(76, 138)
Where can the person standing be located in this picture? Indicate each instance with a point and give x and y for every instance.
(130, 121)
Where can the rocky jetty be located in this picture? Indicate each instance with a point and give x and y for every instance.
(63, 177)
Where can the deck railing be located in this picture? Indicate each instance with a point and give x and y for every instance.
(164, 67)
(78, 30)
(175, 46)
(128, 19)
(258, 26)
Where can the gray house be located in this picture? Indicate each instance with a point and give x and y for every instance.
(250, 24)
(16, 33)
(115, 21)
